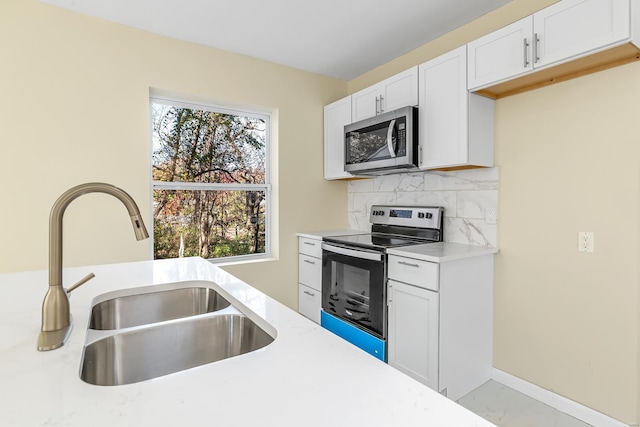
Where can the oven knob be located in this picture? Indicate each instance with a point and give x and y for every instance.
(381, 213)
(429, 215)
(420, 214)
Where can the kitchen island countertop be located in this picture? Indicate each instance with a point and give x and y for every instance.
(306, 377)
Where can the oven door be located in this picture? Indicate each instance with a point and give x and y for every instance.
(354, 287)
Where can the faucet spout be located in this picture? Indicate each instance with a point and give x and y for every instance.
(56, 316)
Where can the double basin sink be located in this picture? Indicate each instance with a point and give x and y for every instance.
(155, 331)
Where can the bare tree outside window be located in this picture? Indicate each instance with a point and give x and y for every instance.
(210, 183)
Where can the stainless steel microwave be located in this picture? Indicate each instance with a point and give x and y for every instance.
(384, 144)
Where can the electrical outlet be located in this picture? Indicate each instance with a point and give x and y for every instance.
(491, 215)
(585, 241)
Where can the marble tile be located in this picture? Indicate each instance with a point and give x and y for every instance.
(446, 199)
(471, 179)
(495, 402)
(356, 221)
(506, 407)
(472, 204)
(470, 232)
(360, 186)
(400, 182)
(538, 414)
(361, 200)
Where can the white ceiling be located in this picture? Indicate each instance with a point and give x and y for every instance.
(336, 38)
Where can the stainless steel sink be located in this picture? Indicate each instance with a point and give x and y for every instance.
(140, 354)
(145, 308)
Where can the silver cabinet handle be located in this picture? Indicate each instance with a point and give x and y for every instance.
(526, 53)
(311, 294)
(381, 104)
(536, 55)
(408, 264)
(309, 243)
(310, 262)
(392, 150)
(377, 106)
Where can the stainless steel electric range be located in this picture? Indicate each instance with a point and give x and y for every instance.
(354, 272)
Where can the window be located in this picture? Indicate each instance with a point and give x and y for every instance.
(210, 181)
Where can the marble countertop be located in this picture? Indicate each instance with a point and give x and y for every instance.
(326, 233)
(307, 376)
(433, 252)
(442, 251)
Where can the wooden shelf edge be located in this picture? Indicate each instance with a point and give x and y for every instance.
(614, 57)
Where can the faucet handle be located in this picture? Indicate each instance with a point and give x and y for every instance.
(81, 282)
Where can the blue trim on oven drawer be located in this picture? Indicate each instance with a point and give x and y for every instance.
(372, 345)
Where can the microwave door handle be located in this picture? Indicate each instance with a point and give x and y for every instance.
(392, 126)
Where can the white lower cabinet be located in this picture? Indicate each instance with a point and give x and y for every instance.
(309, 302)
(310, 277)
(413, 332)
(440, 325)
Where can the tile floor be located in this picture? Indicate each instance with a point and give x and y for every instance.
(506, 407)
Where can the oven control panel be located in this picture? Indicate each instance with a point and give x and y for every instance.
(409, 216)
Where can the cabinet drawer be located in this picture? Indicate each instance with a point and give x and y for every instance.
(310, 247)
(310, 271)
(309, 302)
(414, 272)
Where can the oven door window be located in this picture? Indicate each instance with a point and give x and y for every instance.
(353, 289)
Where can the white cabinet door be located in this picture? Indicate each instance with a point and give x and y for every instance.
(444, 106)
(310, 271)
(365, 103)
(574, 27)
(564, 31)
(309, 302)
(413, 332)
(501, 55)
(455, 127)
(390, 94)
(399, 91)
(336, 116)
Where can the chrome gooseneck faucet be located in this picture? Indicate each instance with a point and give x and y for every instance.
(56, 316)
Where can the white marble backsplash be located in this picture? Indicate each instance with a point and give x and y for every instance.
(464, 194)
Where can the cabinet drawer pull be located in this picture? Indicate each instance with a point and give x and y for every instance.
(526, 51)
(536, 54)
(311, 294)
(309, 243)
(408, 264)
(310, 262)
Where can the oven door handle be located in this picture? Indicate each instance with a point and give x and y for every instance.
(392, 149)
(372, 256)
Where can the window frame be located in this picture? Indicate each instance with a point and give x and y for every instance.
(181, 185)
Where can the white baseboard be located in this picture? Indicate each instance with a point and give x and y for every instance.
(576, 410)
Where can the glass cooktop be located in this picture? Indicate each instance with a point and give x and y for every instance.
(378, 241)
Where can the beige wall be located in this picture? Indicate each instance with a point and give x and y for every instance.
(568, 321)
(565, 321)
(74, 108)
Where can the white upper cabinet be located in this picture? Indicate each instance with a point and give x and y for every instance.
(559, 33)
(574, 27)
(336, 116)
(455, 126)
(502, 54)
(390, 94)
